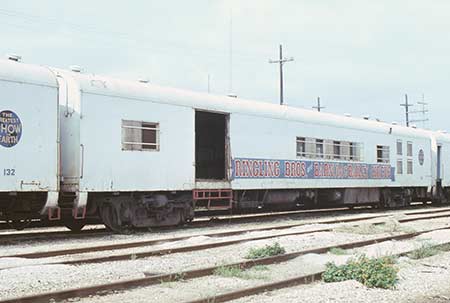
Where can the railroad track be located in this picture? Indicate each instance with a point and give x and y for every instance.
(298, 280)
(202, 272)
(160, 252)
(10, 238)
(201, 222)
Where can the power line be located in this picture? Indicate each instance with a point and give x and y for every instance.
(87, 29)
(281, 62)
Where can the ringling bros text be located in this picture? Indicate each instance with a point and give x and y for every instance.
(306, 169)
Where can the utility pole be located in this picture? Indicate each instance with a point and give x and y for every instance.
(318, 107)
(407, 106)
(423, 111)
(230, 84)
(281, 61)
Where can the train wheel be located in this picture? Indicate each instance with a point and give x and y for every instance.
(74, 224)
(110, 217)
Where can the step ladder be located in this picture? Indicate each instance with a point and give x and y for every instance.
(213, 199)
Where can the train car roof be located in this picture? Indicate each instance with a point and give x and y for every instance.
(442, 136)
(26, 73)
(107, 86)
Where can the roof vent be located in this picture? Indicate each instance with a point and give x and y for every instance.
(394, 123)
(366, 117)
(14, 57)
(347, 115)
(143, 80)
(75, 68)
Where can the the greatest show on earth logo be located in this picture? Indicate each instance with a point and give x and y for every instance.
(10, 128)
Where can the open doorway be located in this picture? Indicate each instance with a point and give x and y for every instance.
(210, 145)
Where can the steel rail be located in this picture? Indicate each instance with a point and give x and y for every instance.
(200, 222)
(166, 240)
(52, 235)
(196, 273)
(295, 281)
(161, 252)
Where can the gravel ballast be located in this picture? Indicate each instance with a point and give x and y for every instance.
(20, 276)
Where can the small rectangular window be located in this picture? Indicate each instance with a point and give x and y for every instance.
(336, 149)
(399, 147)
(319, 148)
(352, 147)
(399, 167)
(383, 154)
(409, 149)
(138, 135)
(409, 167)
(301, 147)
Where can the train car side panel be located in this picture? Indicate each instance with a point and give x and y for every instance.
(130, 145)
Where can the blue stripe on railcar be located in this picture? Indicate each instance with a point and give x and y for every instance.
(247, 168)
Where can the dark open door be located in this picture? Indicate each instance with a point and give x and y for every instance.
(210, 145)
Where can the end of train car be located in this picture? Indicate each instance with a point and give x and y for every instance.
(29, 143)
(33, 100)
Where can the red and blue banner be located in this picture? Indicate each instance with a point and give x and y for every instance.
(244, 168)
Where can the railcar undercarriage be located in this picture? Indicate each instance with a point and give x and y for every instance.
(136, 210)
(127, 210)
(123, 211)
(19, 209)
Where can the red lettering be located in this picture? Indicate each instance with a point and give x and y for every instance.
(261, 168)
(237, 168)
(287, 169)
(255, 170)
(316, 169)
(277, 168)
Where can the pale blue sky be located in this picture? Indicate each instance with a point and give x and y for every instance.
(360, 56)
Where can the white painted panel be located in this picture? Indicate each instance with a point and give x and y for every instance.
(34, 158)
(265, 138)
(106, 167)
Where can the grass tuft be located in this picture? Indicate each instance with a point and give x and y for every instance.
(266, 251)
(237, 272)
(428, 250)
(338, 251)
(390, 226)
(229, 272)
(372, 272)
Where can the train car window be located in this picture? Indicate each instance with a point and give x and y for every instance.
(328, 149)
(139, 135)
(409, 167)
(399, 147)
(301, 147)
(409, 149)
(383, 154)
(352, 150)
(319, 148)
(310, 148)
(399, 167)
(336, 149)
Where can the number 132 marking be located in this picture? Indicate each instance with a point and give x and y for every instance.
(9, 172)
